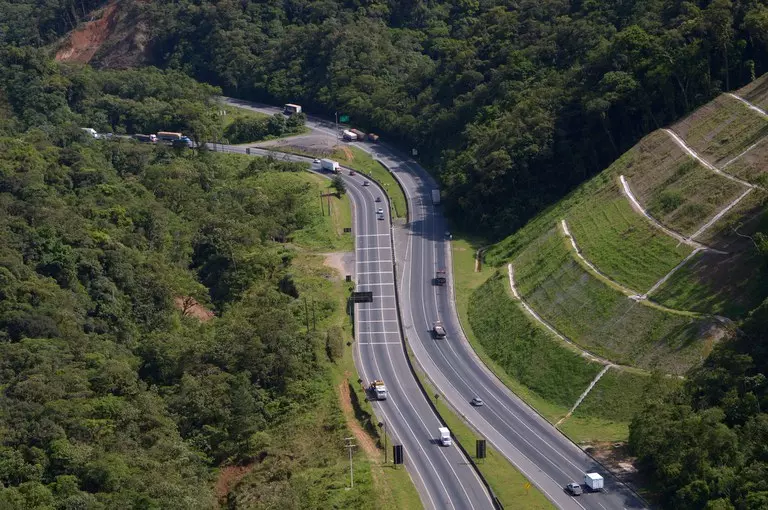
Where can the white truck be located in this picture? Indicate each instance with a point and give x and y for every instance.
(348, 136)
(438, 331)
(378, 389)
(593, 481)
(290, 108)
(445, 436)
(436, 197)
(330, 165)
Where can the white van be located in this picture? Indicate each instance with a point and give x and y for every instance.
(445, 436)
(91, 132)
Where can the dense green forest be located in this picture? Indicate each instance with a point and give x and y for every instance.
(111, 396)
(512, 103)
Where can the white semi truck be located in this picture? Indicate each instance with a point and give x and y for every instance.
(436, 197)
(330, 165)
(378, 389)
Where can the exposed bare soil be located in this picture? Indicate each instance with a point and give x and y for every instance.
(341, 261)
(191, 308)
(228, 479)
(616, 457)
(83, 43)
(364, 440)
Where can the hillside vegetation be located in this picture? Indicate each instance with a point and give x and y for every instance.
(633, 292)
(512, 103)
(155, 308)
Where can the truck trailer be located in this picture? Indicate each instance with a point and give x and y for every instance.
(169, 136)
(378, 389)
(445, 436)
(329, 165)
(593, 481)
(435, 197)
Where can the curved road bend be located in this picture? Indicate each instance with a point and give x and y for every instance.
(544, 455)
(443, 476)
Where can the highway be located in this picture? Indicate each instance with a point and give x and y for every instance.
(543, 454)
(443, 475)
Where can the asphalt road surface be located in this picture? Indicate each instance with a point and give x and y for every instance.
(544, 455)
(443, 475)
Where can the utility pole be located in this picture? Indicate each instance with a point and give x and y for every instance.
(337, 124)
(349, 445)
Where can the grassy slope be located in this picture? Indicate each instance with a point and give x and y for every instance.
(721, 129)
(600, 318)
(327, 233)
(621, 243)
(673, 187)
(605, 413)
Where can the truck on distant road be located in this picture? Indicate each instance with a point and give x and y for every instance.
(290, 108)
(593, 481)
(329, 165)
(438, 330)
(445, 436)
(169, 136)
(348, 136)
(359, 134)
(146, 138)
(378, 389)
(440, 278)
(436, 197)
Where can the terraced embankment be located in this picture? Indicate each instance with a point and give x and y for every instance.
(642, 267)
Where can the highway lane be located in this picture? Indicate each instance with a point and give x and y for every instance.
(544, 455)
(442, 475)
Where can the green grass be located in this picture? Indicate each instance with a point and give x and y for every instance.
(722, 129)
(729, 285)
(605, 413)
(752, 166)
(600, 318)
(525, 350)
(756, 92)
(362, 162)
(233, 112)
(507, 483)
(326, 233)
(621, 243)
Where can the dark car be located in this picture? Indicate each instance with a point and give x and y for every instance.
(574, 489)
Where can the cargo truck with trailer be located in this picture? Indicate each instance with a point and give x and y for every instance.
(329, 165)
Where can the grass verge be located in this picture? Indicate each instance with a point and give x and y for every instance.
(361, 162)
(333, 215)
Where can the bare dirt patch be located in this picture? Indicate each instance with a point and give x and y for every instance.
(228, 479)
(84, 42)
(191, 308)
(341, 261)
(616, 457)
(364, 440)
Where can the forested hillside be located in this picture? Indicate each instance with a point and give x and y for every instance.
(153, 322)
(512, 103)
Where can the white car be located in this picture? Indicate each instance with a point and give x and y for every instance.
(379, 211)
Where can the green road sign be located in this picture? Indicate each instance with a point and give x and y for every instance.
(344, 118)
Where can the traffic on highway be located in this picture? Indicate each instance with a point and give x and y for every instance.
(414, 274)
